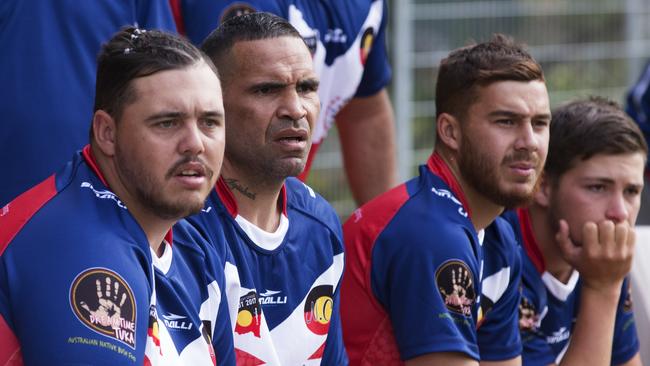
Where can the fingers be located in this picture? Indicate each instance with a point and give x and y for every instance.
(99, 289)
(108, 287)
(569, 250)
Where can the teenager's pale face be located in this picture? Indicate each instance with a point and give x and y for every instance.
(170, 141)
(604, 187)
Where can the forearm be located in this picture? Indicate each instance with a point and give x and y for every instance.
(592, 336)
(367, 133)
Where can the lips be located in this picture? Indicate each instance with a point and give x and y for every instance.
(192, 175)
(293, 139)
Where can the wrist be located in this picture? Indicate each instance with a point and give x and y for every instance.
(610, 290)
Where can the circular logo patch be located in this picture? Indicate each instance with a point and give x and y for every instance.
(318, 309)
(104, 302)
(236, 10)
(456, 285)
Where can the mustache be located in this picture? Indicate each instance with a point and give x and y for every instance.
(190, 160)
(522, 157)
(282, 124)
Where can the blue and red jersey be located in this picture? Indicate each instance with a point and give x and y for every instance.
(79, 283)
(413, 267)
(283, 287)
(549, 308)
(347, 39)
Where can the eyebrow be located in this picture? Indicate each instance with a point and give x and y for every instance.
(181, 115)
(511, 114)
(309, 82)
(609, 181)
(166, 115)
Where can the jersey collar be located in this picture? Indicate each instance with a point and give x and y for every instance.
(530, 243)
(440, 168)
(92, 163)
(228, 199)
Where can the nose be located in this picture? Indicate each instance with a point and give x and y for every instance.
(527, 138)
(191, 139)
(291, 106)
(617, 209)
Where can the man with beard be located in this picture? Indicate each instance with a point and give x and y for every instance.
(88, 274)
(414, 264)
(285, 240)
(578, 240)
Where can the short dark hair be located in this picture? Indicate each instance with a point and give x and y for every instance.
(133, 53)
(247, 27)
(583, 128)
(479, 65)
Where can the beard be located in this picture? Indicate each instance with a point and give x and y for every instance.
(482, 174)
(148, 193)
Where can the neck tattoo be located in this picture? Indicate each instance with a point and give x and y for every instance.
(235, 185)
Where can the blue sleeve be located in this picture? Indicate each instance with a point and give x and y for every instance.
(626, 343)
(91, 310)
(377, 72)
(498, 333)
(155, 14)
(426, 283)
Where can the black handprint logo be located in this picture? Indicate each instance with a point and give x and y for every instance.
(455, 284)
(103, 301)
(108, 312)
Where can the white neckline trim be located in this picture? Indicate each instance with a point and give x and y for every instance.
(480, 235)
(164, 262)
(261, 238)
(558, 289)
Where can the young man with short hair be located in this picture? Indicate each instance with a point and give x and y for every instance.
(577, 240)
(88, 273)
(414, 267)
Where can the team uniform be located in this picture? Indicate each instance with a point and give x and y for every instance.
(283, 287)
(548, 308)
(79, 283)
(498, 330)
(49, 51)
(413, 268)
(346, 38)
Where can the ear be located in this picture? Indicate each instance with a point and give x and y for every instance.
(448, 130)
(104, 131)
(542, 197)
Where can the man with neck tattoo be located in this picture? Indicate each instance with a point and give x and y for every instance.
(285, 240)
(88, 272)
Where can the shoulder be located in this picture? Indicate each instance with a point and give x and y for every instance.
(303, 200)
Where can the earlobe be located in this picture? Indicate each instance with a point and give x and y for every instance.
(448, 130)
(104, 132)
